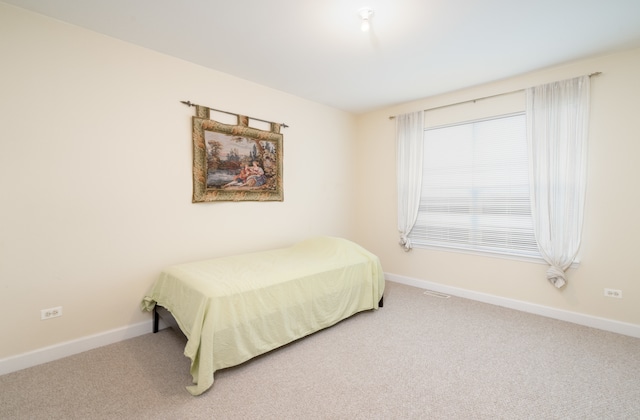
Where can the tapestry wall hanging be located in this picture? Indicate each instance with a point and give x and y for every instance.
(235, 162)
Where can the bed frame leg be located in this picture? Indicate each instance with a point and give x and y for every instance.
(381, 303)
(156, 319)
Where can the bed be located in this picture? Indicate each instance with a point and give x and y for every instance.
(234, 308)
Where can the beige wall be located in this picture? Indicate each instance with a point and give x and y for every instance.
(95, 177)
(610, 248)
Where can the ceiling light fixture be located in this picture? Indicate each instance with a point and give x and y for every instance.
(365, 13)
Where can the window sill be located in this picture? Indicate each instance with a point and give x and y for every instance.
(520, 258)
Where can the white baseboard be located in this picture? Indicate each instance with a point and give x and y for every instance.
(69, 348)
(624, 328)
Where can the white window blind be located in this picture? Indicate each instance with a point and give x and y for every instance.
(475, 193)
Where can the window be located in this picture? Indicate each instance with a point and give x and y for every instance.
(475, 188)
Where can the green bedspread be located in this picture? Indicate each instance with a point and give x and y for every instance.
(234, 308)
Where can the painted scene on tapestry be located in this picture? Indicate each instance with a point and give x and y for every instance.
(240, 163)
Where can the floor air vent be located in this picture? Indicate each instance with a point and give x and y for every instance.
(436, 294)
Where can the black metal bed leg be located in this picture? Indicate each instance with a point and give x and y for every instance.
(156, 319)
(381, 303)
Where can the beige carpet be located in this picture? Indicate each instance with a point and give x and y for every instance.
(419, 357)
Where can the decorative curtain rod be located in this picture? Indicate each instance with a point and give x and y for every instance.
(188, 103)
(484, 97)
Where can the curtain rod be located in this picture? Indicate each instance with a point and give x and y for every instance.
(188, 103)
(484, 97)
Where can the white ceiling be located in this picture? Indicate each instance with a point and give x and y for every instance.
(315, 49)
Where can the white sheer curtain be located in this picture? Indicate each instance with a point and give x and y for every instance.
(557, 133)
(409, 131)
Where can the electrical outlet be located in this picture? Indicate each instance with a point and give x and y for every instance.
(614, 293)
(51, 313)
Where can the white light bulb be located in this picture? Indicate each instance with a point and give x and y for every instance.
(365, 13)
